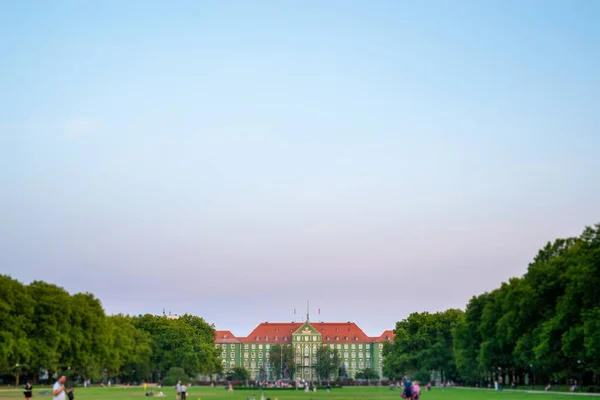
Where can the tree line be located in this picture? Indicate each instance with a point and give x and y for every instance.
(543, 327)
(44, 331)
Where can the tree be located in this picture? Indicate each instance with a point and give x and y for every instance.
(368, 374)
(467, 340)
(262, 374)
(174, 375)
(51, 330)
(282, 359)
(423, 342)
(16, 321)
(186, 342)
(328, 361)
(238, 374)
(129, 349)
(88, 334)
(342, 372)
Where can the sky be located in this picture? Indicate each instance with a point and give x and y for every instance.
(235, 159)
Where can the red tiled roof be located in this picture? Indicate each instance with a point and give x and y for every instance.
(225, 337)
(273, 332)
(386, 336)
(331, 332)
(337, 332)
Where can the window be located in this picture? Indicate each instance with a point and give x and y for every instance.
(245, 364)
(368, 355)
(252, 364)
(217, 346)
(257, 338)
(381, 345)
(360, 364)
(337, 338)
(253, 355)
(253, 346)
(267, 365)
(306, 338)
(326, 337)
(232, 347)
(245, 346)
(360, 355)
(259, 364)
(345, 354)
(223, 354)
(314, 338)
(232, 364)
(314, 360)
(339, 346)
(353, 364)
(330, 355)
(232, 354)
(353, 346)
(276, 338)
(245, 354)
(260, 354)
(260, 346)
(353, 354)
(266, 338)
(297, 360)
(267, 355)
(346, 346)
(224, 362)
(267, 346)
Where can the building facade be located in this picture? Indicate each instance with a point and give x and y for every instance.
(356, 350)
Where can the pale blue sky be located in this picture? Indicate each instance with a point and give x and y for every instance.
(232, 159)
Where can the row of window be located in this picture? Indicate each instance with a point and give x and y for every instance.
(268, 346)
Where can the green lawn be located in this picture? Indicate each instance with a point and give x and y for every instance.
(366, 393)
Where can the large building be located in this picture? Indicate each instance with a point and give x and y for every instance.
(357, 350)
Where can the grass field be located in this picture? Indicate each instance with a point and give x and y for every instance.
(363, 393)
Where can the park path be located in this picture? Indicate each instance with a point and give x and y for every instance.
(533, 391)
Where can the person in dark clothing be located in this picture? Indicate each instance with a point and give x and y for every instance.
(28, 391)
(70, 393)
(407, 388)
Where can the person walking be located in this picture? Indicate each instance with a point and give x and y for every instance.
(183, 389)
(28, 390)
(178, 389)
(58, 390)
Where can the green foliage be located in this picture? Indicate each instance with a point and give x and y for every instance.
(16, 321)
(367, 373)
(238, 374)
(174, 375)
(546, 322)
(328, 362)
(44, 328)
(279, 354)
(187, 342)
(423, 342)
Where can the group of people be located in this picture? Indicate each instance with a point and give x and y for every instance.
(411, 390)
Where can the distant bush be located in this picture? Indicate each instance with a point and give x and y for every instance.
(175, 375)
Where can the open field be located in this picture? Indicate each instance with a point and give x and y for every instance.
(363, 393)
